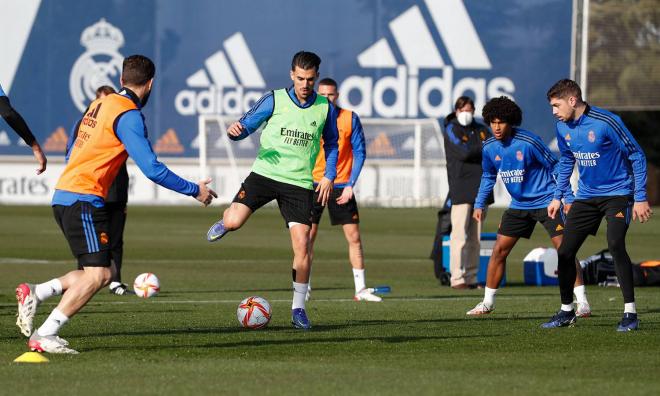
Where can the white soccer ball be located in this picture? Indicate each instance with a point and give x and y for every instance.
(146, 285)
(253, 312)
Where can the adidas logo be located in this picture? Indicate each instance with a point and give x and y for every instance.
(381, 146)
(559, 227)
(169, 143)
(414, 39)
(497, 158)
(4, 139)
(619, 215)
(57, 141)
(220, 86)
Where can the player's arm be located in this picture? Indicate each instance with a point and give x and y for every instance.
(628, 145)
(331, 148)
(488, 179)
(543, 154)
(260, 112)
(18, 124)
(132, 133)
(563, 174)
(359, 155)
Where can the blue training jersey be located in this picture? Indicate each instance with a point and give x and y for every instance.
(262, 110)
(527, 168)
(609, 160)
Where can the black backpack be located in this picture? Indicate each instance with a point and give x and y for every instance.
(599, 269)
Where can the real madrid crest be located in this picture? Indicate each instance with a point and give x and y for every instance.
(100, 65)
(591, 136)
(519, 155)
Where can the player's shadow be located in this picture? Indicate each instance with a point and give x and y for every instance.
(293, 341)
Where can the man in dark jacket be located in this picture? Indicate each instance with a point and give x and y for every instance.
(463, 139)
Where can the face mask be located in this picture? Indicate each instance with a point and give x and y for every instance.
(464, 118)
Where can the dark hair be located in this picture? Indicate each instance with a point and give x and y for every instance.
(565, 88)
(328, 81)
(504, 109)
(137, 70)
(305, 60)
(104, 90)
(462, 101)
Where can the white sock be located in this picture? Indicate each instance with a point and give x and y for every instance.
(48, 289)
(567, 307)
(358, 278)
(489, 297)
(52, 325)
(580, 293)
(299, 292)
(629, 308)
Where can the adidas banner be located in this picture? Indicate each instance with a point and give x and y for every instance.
(403, 59)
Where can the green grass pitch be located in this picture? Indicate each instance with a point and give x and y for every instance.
(418, 341)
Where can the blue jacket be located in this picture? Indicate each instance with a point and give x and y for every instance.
(527, 168)
(609, 160)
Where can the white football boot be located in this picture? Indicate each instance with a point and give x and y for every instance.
(583, 310)
(480, 309)
(50, 344)
(27, 307)
(366, 295)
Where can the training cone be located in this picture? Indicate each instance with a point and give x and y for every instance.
(31, 357)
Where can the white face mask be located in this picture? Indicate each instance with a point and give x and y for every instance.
(464, 118)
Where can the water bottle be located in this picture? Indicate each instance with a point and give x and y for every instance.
(379, 290)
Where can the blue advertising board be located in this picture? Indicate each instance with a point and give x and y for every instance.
(392, 59)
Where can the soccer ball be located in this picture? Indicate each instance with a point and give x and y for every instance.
(253, 312)
(146, 285)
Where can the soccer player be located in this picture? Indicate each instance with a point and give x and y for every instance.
(296, 119)
(342, 205)
(115, 204)
(527, 169)
(110, 129)
(612, 184)
(18, 124)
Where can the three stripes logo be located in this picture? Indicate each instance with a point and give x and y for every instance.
(229, 83)
(414, 89)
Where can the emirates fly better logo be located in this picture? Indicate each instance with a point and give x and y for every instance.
(229, 83)
(414, 39)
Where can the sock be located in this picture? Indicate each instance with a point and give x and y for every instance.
(629, 308)
(580, 293)
(48, 289)
(114, 284)
(358, 278)
(489, 297)
(567, 307)
(299, 292)
(52, 325)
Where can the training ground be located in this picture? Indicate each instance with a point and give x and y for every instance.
(418, 341)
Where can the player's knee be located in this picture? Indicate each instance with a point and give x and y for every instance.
(99, 276)
(565, 255)
(616, 244)
(500, 252)
(231, 221)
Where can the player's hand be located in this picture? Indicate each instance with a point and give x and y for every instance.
(345, 196)
(235, 129)
(205, 195)
(642, 211)
(40, 156)
(477, 213)
(324, 189)
(567, 208)
(553, 208)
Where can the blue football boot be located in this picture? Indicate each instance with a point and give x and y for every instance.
(216, 231)
(629, 322)
(560, 319)
(299, 319)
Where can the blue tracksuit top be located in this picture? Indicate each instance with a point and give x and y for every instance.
(527, 168)
(609, 160)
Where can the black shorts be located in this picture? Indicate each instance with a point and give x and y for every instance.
(295, 202)
(86, 228)
(339, 214)
(519, 223)
(586, 214)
